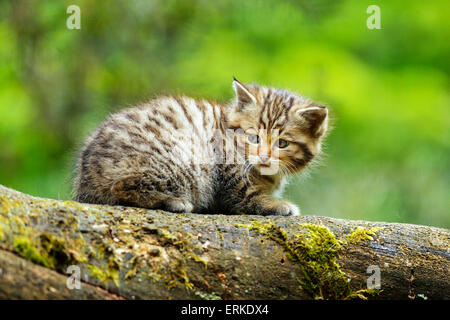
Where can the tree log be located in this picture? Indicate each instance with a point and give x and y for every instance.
(132, 253)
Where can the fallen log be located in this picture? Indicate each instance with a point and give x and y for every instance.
(68, 250)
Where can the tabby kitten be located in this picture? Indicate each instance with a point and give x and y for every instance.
(185, 155)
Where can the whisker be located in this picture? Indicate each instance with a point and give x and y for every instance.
(246, 170)
(289, 167)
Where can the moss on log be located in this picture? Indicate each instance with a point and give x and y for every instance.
(132, 253)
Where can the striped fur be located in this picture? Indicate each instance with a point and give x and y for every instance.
(172, 153)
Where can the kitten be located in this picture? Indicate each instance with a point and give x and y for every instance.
(184, 155)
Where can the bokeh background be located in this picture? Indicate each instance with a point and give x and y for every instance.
(387, 158)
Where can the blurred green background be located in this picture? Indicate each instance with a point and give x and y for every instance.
(387, 158)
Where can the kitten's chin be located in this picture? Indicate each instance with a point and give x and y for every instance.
(268, 170)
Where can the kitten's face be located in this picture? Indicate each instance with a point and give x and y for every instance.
(280, 132)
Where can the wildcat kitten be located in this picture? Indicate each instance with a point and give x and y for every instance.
(185, 155)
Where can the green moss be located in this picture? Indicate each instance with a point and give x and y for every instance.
(56, 251)
(39, 247)
(177, 273)
(197, 258)
(46, 250)
(109, 269)
(6, 204)
(134, 264)
(106, 274)
(20, 233)
(360, 234)
(30, 251)
(316, 251)
(220, 234)
(98, 273)
(100, 252)
(181, 274)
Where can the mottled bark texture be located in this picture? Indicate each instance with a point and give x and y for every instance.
(131, 253)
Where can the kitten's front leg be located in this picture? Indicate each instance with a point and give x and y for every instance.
(282, 208)
(257, 202)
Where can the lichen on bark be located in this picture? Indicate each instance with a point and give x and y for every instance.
(316, 252)
(135, 253)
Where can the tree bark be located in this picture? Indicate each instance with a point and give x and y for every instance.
(132, 253)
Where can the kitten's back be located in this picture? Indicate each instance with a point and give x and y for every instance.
(165, 140)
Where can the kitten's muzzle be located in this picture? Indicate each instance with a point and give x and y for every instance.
(265, 159)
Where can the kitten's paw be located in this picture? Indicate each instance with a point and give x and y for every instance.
(178, 205)
(285, 209)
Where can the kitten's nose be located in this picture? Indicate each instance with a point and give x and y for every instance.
(264, 158)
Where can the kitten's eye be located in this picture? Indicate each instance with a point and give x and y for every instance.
(282, 143)
(253, 138)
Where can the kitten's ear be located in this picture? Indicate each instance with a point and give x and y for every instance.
(243, 95)
(314, 118)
